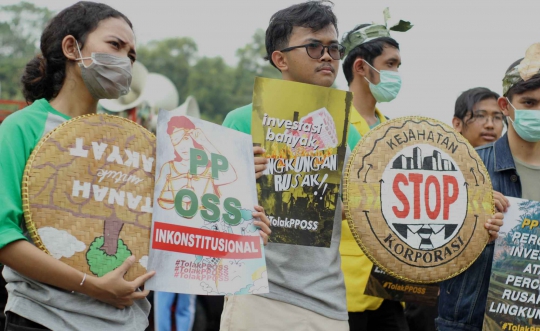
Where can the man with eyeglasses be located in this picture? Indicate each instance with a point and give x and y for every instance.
(479, 119)
(513, 163)
(306, 283)
(477, 116)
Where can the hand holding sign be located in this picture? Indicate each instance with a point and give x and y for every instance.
(115, 290)
(501, 202)
(264, 223)
(493, 225)
(260, 161)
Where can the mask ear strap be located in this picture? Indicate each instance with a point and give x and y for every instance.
(367, 80)
(510, 103)
(515, 110)
(372, 67)
(80, 54)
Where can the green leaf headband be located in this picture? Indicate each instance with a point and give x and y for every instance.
(355, 38)
(525, 70)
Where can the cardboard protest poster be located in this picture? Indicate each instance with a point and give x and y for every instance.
(303, 129)
(87, 194)
(203, 237)
(382, 285)
(513, 301)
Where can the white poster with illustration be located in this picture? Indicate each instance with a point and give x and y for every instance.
(203, 238)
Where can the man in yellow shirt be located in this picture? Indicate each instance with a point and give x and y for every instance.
(371, 69)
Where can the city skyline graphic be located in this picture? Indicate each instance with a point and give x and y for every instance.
(433, 162)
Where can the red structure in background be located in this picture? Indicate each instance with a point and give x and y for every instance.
(9, 106)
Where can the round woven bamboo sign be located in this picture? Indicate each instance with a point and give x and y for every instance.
(87, 193)
(417, 196)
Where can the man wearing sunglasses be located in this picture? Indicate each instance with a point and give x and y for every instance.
(306, 283)
(322, 72)
(371, 69)
(477, 116)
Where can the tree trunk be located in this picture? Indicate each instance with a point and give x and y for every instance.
(111, 234)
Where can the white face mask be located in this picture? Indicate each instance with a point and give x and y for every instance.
(107, 77)
(388, 87)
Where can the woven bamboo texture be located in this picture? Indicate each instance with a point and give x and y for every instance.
(363, 201)
(110, 211)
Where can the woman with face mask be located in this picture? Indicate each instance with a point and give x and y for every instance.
(87, 51)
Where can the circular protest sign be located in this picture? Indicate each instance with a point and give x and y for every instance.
(87, 193)
(417, 196)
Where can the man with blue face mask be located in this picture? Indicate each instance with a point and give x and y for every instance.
(513, 163)
(371, 69)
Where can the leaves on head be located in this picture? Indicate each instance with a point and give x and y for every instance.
(530, 65)
(402, 26)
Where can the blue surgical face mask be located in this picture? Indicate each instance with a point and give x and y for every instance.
(388, 87)
(526, 123)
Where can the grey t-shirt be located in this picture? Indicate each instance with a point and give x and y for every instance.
(309, 277)
(57, 309)
(530, 180)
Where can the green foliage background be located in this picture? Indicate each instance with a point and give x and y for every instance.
(217, 86)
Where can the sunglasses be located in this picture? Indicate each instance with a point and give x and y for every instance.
(315, 50)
